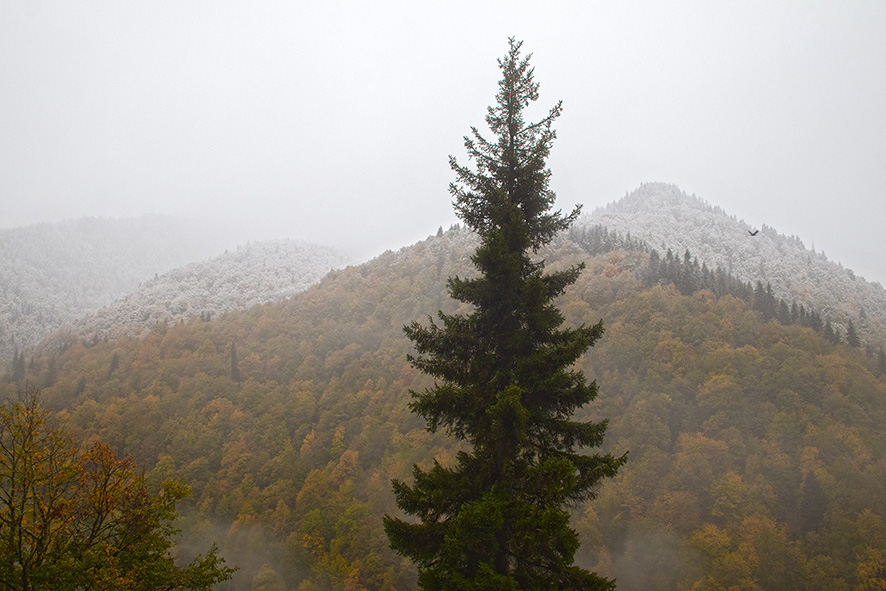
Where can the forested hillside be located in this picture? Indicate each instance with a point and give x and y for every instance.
(251, 274)
(756, 447)
(51, 274)
(103, 276)
(667, 218)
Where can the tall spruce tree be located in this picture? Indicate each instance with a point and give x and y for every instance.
(505, 381)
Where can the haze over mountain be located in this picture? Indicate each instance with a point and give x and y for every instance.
(254, 273)
(55, 274)
(667, 218)
(51, 274)
(756, 446)
(103, 276)
(331, 121)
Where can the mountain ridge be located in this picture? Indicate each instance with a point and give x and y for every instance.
(40, 296)
(665, 217)
(756, 447)
(104, 277)
(255, 273)
(50, 274)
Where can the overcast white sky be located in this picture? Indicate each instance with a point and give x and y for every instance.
(332, 121)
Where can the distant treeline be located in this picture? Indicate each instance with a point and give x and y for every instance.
(688, 276)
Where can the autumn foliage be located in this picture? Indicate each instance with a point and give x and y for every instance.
(83, 519)
(757, 448)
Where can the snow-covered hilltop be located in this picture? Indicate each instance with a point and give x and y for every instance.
(667, 218)
(107, 277)
(256, 273)
(51, 274)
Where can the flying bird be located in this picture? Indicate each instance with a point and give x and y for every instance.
(754, 233)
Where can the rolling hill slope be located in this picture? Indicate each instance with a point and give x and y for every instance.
(51, 274)
(757, 456)
(667, 218)
(105, 278)
(252, 274)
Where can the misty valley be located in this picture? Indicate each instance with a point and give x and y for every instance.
(745, 377)
(256, 335)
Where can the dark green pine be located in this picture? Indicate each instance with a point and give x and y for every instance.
(504, 380)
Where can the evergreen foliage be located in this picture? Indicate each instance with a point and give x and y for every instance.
(690, 278)
(664, 216)
(596, 239)
(235, 367)
(852, 337)
(18, 366)
(506, 384)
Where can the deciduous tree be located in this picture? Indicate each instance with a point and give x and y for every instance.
(84, 519)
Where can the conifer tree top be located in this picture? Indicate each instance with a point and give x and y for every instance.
(505, 380)
(511, 171)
